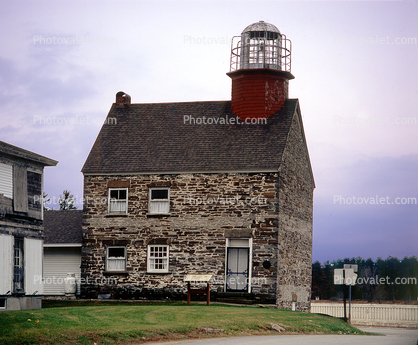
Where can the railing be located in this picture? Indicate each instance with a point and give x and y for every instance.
(284, 54)
(397, 315)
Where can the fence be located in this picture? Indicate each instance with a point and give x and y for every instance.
(391, 315)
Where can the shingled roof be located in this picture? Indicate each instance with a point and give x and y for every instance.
(64, 226)
(164, 138)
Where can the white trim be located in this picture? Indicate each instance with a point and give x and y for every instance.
(111, 257)
(108, 201)
(165, 202)
(165, 270)
(57, 245)
(273, 170)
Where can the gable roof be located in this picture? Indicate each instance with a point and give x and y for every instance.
(63, 226)
(15, 151)
(167, 138)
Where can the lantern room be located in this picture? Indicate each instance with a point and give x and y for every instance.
(261, 45)
(260, 71)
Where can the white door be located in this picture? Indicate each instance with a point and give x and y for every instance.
(238, 264)
(237, 269)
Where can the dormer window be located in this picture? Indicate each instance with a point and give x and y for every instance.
(118, 200)
(159, 200)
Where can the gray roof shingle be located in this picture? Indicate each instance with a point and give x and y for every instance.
(64, 226)
(159, 137)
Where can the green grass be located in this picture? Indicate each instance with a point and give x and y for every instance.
(113, 323)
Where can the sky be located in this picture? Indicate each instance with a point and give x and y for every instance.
(356, 75)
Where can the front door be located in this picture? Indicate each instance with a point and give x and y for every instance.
(237, 269)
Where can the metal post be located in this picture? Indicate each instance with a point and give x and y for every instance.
(208, 295)
(349, 304)
(345, 297)
(189, 293)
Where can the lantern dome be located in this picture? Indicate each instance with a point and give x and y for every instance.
(261, 26)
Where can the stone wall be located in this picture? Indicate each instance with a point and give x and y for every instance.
(204, 210)
(295, 222)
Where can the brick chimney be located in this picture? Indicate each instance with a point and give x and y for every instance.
(260, 71)
(122, 99)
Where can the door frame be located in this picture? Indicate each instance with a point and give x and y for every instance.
(239, 243)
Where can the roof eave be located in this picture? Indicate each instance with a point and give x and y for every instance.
(14, 151)
(180, 172)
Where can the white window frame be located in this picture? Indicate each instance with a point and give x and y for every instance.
(119, 200)
(124, 259)
(159, 206)
(151, 259)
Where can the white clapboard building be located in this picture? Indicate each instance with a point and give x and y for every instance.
(21, 227)
(62, 251)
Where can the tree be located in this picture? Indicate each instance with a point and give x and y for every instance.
(67, 201)
(45, 200)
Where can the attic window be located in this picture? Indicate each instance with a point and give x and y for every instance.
(118, 200)
(159, 200)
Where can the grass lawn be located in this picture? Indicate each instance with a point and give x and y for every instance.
(118, 323)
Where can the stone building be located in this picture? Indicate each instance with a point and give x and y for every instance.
(222, 188)
(21, 227)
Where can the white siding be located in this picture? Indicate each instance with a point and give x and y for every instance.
(6, 263)
(33, 266)
(57, 263)
(6, 180)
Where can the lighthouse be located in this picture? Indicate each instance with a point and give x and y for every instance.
(260, 69)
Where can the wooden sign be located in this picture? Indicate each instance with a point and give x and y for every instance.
(198, 278)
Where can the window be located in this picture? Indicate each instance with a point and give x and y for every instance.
(18, 284)
(118, 200)
(159, 200)
(157, 258)
(6, 180)
(116, 259)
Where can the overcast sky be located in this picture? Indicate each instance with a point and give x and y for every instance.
(356, 75)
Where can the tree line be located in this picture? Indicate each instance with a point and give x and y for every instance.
(381, 280)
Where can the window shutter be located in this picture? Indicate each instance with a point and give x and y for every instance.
(6, 180)
(20, 189)
(6, 267)
(33, 266)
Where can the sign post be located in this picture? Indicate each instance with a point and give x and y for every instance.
(198, 279)
(352, 281)
(346, 276)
